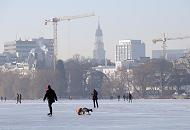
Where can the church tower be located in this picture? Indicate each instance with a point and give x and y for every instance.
(99, 52)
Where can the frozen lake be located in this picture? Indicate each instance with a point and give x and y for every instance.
(111, 115)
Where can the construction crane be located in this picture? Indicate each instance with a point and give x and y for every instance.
(55, 21)
(164, 39)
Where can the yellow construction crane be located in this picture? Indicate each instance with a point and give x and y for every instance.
(164, 39)
(55, 21)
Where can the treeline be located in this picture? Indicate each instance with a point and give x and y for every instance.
(67, 80)
(75, 78)
(157, 78)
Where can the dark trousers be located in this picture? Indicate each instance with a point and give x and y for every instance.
(50, 107)
(95, 103)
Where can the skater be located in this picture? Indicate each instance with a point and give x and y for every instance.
(124, 97)
(17, 98)
(70, 98)
(95, 98)
(20, 98)
(118, 97)
(130, 97)
(1, 98)
(51, 97)
(5, 99)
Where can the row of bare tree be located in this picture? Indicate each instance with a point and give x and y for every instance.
(75, 78)
(158, 77)
(67, 80)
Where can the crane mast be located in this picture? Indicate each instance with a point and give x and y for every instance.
(164, 39)
(55, 21)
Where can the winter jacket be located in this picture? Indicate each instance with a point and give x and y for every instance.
(50, 95)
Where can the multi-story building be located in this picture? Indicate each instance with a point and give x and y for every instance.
(45, 44)
(40, 59)
(99, 52)
(170, 54)
(107, 70)
(128, 50)
(2, 59)
(22, 48)
(10, 47)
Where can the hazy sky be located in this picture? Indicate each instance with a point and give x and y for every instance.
(119, 19)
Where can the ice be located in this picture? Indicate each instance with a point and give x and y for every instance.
(111, 115)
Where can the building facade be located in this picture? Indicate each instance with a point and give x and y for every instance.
(170, 54)
(99, 52)
(22, 48)
(129, 50)
(109, 71)
(10, 47)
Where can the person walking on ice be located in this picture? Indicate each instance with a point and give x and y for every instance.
(17, 98)
(95, 98)
(124, 97)
(20, 98)
(130, 97)
(118, 97)
(51, 97)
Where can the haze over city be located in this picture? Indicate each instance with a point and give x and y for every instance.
(123, 19)
(86, 64)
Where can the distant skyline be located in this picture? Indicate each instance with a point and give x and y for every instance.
(119, 19)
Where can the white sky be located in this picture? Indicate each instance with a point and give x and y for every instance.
(119, 19)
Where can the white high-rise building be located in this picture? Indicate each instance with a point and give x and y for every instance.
(128, 51)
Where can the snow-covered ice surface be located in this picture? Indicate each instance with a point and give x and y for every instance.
(111, 115)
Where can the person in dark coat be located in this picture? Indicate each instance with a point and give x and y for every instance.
(17, 98)
(51, 97)
(118, 97)
(124, 97)
(20, 98)
(95, 98)
(130, 97)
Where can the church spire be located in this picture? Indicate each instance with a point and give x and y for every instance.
(98, 22)
(99, 52)
(99, 30)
